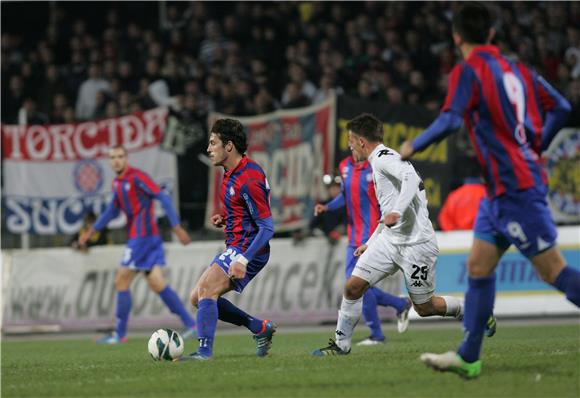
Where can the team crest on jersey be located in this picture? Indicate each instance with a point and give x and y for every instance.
(345, 170)
(88, 176)
(232, 192)
(126, 186)
(369, 177)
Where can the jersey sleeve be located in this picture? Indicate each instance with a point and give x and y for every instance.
(146, 183)
(407, 176)
(556, 109)
(257, 197)
(462, 90)
(111, 212)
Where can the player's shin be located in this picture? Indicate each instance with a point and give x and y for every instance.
(568, 282)
(348, 316)
(124, 303)
(228, 312)
(479, 301)
(172, 301)
(207, 317)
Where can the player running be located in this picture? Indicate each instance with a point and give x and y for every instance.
(512, 114)
(363, 213)
(245, 194)
(133, 193)
(404, 240)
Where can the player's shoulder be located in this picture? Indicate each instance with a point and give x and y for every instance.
(347, 161)
(252, 171)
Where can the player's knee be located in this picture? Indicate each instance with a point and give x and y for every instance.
(193, 298)
(121, 283)
(476, 269)
(206, 292)
(353, 290)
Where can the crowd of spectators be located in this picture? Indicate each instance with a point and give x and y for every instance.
(249, 58)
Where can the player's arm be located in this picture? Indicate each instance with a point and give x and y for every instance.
(556, 108)
(336, 203)
(461, 95)
(256, 196)
(410, 182)
(149, 186)
(111, 212)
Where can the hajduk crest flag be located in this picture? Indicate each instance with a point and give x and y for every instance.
(54, 174)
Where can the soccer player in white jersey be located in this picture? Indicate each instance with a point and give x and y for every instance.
(403, 240)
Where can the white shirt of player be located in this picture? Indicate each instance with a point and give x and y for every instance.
(399, 188)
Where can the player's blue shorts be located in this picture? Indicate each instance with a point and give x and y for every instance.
(142, 254)
(350, 260)
(227, 258)
(522, 219)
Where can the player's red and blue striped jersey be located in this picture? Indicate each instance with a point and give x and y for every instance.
(362, 207)
(503, 104)
(133, 193)
(245, 195)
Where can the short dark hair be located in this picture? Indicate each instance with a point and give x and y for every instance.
(473, 22)
(367, 126)
(119, 146)
(231, 130)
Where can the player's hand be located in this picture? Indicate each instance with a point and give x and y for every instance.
(391, 219)
(182, 235)
(83, 239)
(406, 150)
(218, 220)
(360, 250)
(237, 270)
(319, 209)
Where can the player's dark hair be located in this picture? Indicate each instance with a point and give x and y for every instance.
(120, 147)
(367, 126)
(231, 130)
(473, 22)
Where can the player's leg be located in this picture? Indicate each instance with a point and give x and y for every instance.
(369, 306)
(487, 249)
(211, 285)
(123, 279)
(374, 265)
(157, 283)
(552, 268)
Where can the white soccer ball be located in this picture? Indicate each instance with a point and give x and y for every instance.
(165, 344)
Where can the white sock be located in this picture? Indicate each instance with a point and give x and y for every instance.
(348, 316)
(454, 307)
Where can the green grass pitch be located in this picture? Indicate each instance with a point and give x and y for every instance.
(520, 361)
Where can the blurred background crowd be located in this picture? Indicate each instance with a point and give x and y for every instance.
(66, 62)
(65, 65)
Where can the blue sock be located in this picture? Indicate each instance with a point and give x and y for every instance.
(172, 301)
(479, 301)
(228, 312)
(388, 300)
(123, 310)
(371, 315)
(207, 317)
(568, 282)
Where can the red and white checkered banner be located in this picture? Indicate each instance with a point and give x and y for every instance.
(54, 174)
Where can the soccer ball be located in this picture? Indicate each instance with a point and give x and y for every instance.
(165, 344)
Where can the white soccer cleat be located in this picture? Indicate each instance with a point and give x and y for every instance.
(369, 342)
(403, 317)
(452, 362)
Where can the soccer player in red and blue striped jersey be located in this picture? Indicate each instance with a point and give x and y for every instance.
(511, 114)
(134, 193)
(363, 213)
(248, 227)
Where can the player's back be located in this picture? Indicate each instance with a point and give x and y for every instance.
(361, 203)
(246, 196)
(389, 171)
(502, 104)
(134, 192)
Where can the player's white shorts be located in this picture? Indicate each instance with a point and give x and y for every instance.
(382, 259)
